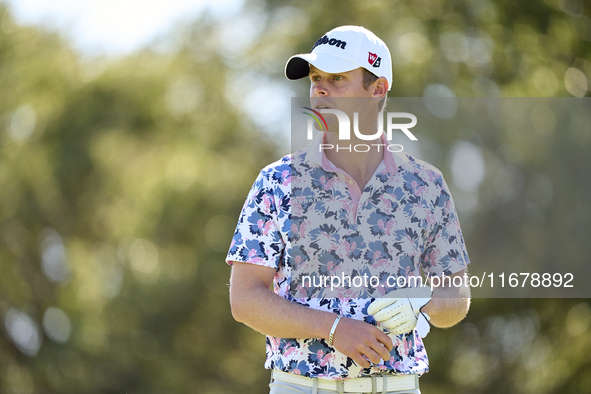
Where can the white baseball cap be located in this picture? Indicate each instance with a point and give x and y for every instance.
(344, 49)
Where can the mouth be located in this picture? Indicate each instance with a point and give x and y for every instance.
(322, 107)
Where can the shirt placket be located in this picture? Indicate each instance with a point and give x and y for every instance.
(354, 194)
(349, 185)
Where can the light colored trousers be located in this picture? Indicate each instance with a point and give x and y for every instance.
(290, 388)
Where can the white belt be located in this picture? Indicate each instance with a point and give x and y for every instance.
(370, 384)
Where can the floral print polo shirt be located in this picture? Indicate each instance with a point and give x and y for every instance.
(304, 217)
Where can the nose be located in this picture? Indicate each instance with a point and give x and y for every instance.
(318, 89)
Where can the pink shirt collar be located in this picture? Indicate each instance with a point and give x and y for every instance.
(392, 160)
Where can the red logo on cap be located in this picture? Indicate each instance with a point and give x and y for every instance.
(372, 58)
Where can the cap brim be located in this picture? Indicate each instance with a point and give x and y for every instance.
(298, 66)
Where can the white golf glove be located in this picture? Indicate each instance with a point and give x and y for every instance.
(400, 310)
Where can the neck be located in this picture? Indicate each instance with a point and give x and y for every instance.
(358, 158)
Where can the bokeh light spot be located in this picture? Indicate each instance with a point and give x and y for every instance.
(184, 95)
(467, 166)
(22, 123)
(23, 332)
(415, 47)
(53, 257)
(143, 256)
(56, 325)
(578, 319)
(440, 100)
(576, 82)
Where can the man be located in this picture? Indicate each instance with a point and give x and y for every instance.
(375, 212)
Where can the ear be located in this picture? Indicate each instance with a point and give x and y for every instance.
(380, 88)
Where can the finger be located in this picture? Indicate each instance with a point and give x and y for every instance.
(388, 312)
(372, 355)
(395, 326)
(403, 328)
(380, 303)
(361, 361)
(382, 352)
(397, 320)
(386, 341)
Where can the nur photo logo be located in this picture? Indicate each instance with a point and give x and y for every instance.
(317, 117)
(344, 129)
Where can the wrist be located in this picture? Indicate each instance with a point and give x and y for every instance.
(333, 330)
(323, 322)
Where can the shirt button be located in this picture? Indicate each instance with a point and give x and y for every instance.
(351, 182)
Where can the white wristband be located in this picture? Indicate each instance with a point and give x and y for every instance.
(332, 330)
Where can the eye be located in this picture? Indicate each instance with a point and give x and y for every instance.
(338, 78)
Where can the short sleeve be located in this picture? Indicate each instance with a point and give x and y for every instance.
(445, 251)
(257, 238)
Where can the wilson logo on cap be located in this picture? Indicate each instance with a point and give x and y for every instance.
(374, 60)
(333, 41)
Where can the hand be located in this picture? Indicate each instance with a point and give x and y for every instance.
(357, 339)
(400, 310)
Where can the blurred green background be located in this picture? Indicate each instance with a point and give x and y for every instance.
(121, 180)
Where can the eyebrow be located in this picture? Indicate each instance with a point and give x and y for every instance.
(317, 72)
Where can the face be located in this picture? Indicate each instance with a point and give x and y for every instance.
(327, 88)
(346, 84)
